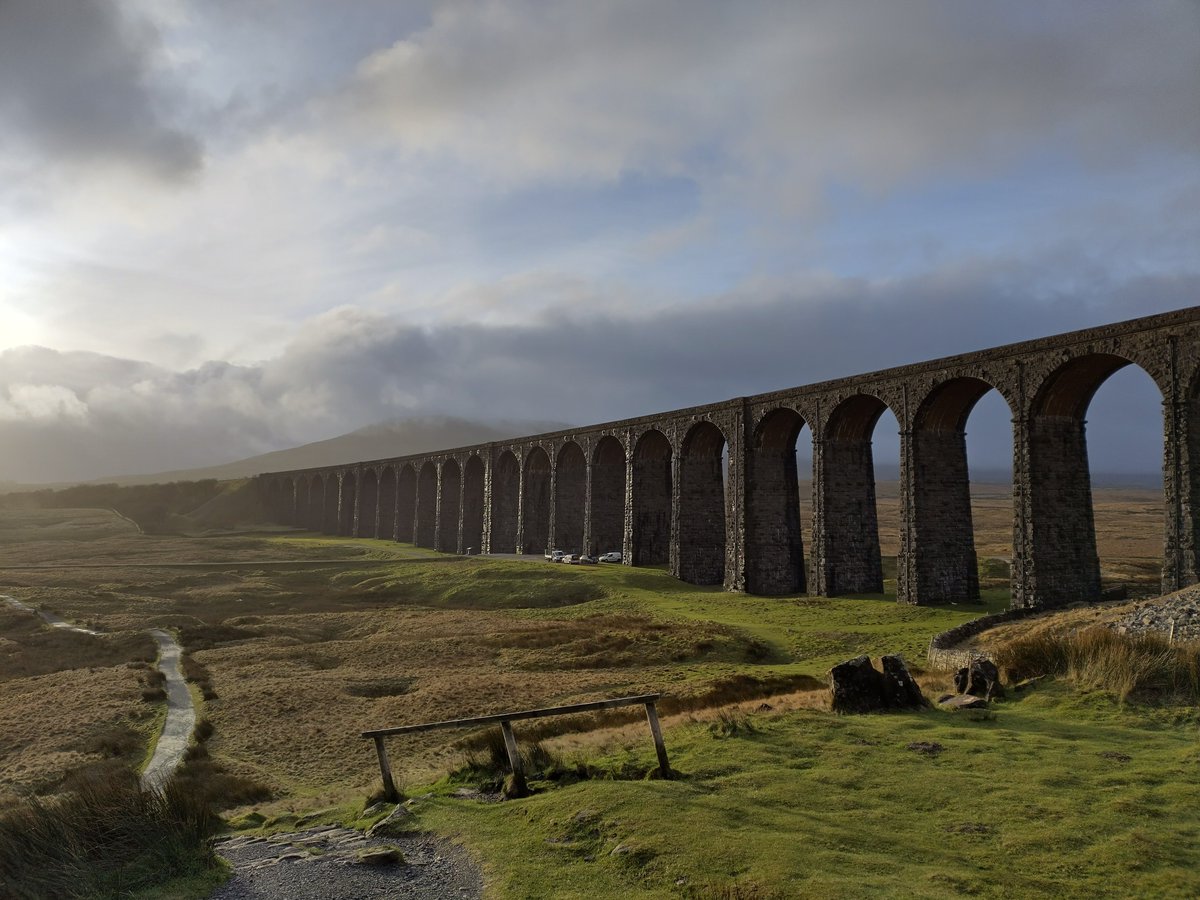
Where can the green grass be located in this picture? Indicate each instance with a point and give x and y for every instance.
(1022, 802)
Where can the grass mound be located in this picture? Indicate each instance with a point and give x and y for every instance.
(1140, 665)
(108, 838)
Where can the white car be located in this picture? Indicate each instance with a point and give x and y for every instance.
(555, 556)
(611, 556)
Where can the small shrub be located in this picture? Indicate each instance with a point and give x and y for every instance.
(730, 723)
(197, 673)
(114, 742)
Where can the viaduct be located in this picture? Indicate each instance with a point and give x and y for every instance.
(659, 488)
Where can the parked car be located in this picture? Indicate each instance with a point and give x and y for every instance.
(554, 555)
(571, 559)
(611, 556)
(586, 560)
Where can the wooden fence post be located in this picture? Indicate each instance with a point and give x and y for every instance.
(664, 768)
(520, 789)
(389, 786)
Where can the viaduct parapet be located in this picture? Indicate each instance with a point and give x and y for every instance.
(713, 491)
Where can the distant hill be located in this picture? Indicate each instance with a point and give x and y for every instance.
(386, 439)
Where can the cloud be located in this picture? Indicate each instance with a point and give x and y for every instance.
(789, 98)
(82, 87)
(78, 415)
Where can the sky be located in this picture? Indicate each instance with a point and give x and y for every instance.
(231, 227)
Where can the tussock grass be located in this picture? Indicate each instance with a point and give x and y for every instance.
(108, 838)
(32, 649)
(1129, 665)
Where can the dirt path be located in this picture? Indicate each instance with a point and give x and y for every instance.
(181, 714)
(181, 710)
(48, 617)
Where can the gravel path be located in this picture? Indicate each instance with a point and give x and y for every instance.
(181, 714)
(324, 864)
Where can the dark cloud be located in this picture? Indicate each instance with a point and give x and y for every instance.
(73, 415)
(80, 85)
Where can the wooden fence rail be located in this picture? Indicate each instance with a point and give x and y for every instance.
(505, 721)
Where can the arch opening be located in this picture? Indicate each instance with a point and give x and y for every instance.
(506, 493)
(608, 497)
(314, 502)
(703, 458)
(651, 539)
(368, 506)
(774, 530)
(570, 498)
(387, 504)
(1093, 526)
(329, 509)
(406, 504)
(347, 504)
(448, 518)
(427, 484)
(943, 564)
(535, 502)
(472, 516)
(850, 555)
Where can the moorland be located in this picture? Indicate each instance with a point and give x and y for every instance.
(295, 643)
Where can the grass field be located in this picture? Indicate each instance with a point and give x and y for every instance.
(307, 641)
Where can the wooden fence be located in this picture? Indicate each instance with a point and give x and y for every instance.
(505, 721)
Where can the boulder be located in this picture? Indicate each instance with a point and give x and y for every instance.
(981, 678)
(397, 823)
(901, 689)
(857, 686)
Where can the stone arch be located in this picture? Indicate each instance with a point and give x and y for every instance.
(570, 498)
(944, 565)
(347, 503)
(451, 488)
(427, 485)
(851, 558)
(652, 487)
(702, 505)
(506, 494)
(535, 502)
(406, 503)
(774, 534)
(368, 505)
(387, 504)
(608, 496)
(1062, 559)
(473, 496)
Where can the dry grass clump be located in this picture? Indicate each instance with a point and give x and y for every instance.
(1142, 665)
(108, 838)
